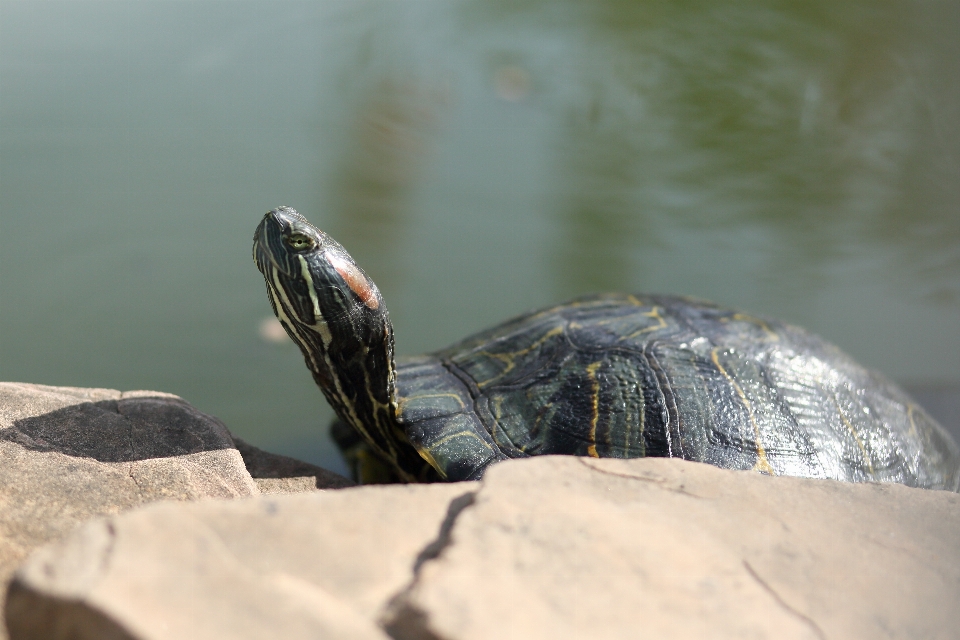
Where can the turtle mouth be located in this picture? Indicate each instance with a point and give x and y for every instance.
(267, 242)
(261, 254)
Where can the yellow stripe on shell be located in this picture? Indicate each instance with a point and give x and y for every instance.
(595, 406)
(762, 465)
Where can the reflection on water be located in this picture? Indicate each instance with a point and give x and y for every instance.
(389, 144)
(817, 125)
(478, 158)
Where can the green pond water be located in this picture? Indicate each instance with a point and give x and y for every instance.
(479, 159)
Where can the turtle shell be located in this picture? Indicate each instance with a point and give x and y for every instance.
(628, 376)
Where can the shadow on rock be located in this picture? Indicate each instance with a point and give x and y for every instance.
(123, 430)
(275, 473)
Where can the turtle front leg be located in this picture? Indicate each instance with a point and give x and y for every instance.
(366, 467)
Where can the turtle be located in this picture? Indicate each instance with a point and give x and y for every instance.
(604, 375)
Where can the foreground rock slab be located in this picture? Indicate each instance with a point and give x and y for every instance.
(316, 565)
(547, 547)
(69, 454)
(666, 549)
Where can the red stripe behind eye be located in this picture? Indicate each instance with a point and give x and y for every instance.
(357, 282)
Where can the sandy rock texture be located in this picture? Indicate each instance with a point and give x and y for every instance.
(304, 566)
(69, 454)
(669, 549)
(551, 547)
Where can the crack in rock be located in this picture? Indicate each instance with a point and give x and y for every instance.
(132, 476)
(663, 483)
(776, 596)
(402, 619)
(131, 444)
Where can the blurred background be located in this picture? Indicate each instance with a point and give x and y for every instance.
(479, 158)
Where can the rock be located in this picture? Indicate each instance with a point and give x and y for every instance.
(576, 547)
(274, 473)
(301, 566)
(544, 547)
(69, 454)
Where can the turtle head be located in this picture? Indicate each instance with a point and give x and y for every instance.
(314, 277)
(335, 313)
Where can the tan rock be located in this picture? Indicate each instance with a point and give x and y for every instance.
(547, 547)
(68, 454)
(274, 473)
(301, 566)
(578, 548)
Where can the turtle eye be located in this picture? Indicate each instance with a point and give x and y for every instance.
(299, 241)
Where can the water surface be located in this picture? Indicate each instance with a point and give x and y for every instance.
(479, 159)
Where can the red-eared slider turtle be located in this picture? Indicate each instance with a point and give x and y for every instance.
(620, 376)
